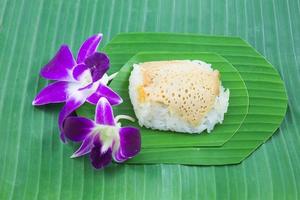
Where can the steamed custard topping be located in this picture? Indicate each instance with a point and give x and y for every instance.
(184, 87)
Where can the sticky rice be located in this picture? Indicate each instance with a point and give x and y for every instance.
(178, 95)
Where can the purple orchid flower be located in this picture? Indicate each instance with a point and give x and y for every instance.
(77, 81)
(103, 138)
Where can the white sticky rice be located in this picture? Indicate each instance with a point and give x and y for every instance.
(157, 116)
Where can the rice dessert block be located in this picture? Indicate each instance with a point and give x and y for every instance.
(177, 95)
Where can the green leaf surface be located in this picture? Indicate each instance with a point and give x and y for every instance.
(36, 165)
(267, 96)
(231, 79)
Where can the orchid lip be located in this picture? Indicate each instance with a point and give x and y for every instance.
(127, 117)
(108, 134)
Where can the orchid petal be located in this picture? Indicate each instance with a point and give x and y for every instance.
(119, 158)
(53, 93)
(77, 128)
(70, 106)
(98, 64)
(104, 91)
(82, 73)
(130, 143)
(100, 159)
(60, 66)
(88, 47)
(85, 147)
(104, 114)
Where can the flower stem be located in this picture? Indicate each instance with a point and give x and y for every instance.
(117, 118)
(112, 76)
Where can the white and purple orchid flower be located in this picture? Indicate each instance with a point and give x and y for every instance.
(103, 138)
(77, 81)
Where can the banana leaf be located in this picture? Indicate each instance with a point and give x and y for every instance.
(231, 79)
(267, 95)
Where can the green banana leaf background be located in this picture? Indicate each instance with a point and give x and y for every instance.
(34, 164)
